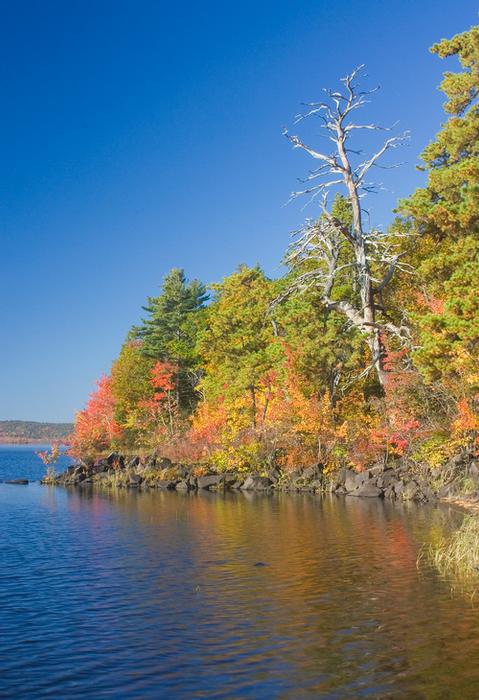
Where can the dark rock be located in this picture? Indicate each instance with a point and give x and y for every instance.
(377, 469)
(113, 458)
(398, 487)
(317, 485)
(20, 482)
(134, 462)
(183, 471)
(165, 484)
(206, 482)
(367, 490)
(99, 467)
(274, 475)
(311, 472)
(428, 493)
(296, 474)
(385, 479)
(389, 492)
(134, 480)
(256, 483)
(164, 463)
(229, 478)
(354, 480)
(411, 492)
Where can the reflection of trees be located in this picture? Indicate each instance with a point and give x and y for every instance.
(338, 602)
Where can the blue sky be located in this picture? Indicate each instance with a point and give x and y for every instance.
(140, 136)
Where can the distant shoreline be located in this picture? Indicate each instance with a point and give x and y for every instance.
(22, 432)
(26, 441)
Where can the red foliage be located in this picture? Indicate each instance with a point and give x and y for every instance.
(430, 303)
(95, 426)
(162, 378)
(160, 415)
(400, 426)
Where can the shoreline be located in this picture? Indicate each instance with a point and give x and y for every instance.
(455, 483)
(392, 482)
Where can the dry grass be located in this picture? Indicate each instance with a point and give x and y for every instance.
(457, 557)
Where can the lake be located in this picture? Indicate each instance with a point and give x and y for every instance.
(170, 595)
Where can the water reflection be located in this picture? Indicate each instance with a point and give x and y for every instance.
(228, 596)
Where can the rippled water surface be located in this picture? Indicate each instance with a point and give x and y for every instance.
(166, 595)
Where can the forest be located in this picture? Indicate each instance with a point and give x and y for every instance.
(364, 350)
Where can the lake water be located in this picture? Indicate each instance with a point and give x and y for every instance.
(169, 595)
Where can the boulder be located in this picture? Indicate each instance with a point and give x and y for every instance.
(398, 487)
(182, 486)
(411, 492)
(354, 480)
(257, 483)
(367, 490)
(274, 474)
(206, 482)
(311, 472)
(165, 484)
(389, 492)
(386, 479)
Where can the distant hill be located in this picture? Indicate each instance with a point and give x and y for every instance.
(24, 431)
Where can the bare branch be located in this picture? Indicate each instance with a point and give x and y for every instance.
(393, 142)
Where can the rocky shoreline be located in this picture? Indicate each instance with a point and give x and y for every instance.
(398, 481)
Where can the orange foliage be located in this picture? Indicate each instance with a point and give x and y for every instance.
(158, 415)
(399, 425)
(95, 426)
(430, 302)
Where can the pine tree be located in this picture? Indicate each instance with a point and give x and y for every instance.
(170, 330)
(445, 215)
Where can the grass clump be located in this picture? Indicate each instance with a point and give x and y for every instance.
(458, 555)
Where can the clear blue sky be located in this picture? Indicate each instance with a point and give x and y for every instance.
(138, 136)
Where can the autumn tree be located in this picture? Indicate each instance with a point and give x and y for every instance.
(96, 425)
(236, 343)
(130, 386)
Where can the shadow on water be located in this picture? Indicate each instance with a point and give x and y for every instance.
(228, 596)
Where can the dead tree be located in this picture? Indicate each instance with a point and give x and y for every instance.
(326, 249)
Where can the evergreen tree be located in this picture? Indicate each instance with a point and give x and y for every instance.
(445, 305)
(170, 330)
